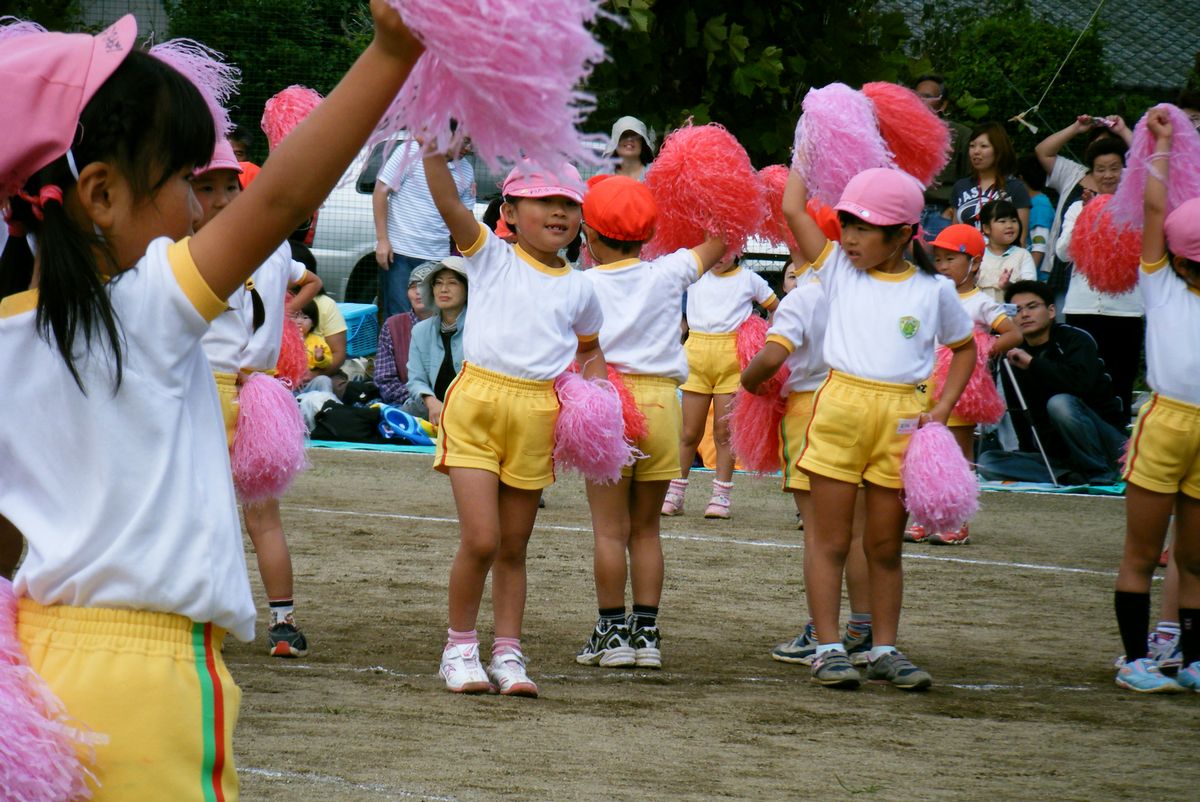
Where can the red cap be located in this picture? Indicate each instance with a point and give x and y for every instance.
(620, 208)
(960, 238)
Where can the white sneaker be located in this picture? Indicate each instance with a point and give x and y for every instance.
(462, 670)
(507, 671)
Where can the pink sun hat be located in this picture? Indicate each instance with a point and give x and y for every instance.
(530, 180)
(222, 159)
(45, 81)
(1183, 230)
(883, 197)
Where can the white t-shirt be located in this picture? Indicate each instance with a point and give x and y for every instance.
(984, 310)
(125, 499)
(271, 280)
(1018, 261)
(720, 302)
(1081, 298)
(799, 326)
(527, 319)
(226, 338)
(641, 303)
(415, 228)
(1172, 333)
(883, 326)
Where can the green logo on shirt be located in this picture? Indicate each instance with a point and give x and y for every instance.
(909, 326)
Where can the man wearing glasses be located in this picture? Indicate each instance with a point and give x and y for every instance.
(1069, 396)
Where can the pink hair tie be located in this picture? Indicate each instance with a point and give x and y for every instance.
(50, 192)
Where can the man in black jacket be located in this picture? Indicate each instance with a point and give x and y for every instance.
(1069, 395)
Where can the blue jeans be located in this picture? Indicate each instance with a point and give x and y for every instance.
(1093, 449)
(393, 284)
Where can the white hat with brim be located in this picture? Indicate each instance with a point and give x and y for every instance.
(628, 124)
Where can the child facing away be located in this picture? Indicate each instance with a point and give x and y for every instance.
(309, 318)
(119, 477)
(885, 317)
(1004, 260)
(1162, 468)
(717, 305)
(957, 253)
(242, 340)
(641, 342)
(532, 315)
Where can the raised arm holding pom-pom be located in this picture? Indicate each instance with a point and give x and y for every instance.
(1154, 243)
(464, 228)
(810, 238)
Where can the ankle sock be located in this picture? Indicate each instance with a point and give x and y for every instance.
(1167, 630)
(721, 488)
(644, 616)
(1189, 634)
(505, 646)
(1133, 617)
(612, 615)
(860, 623)
(280, 609)
(879, 651)
(829, 647)
(456, 638)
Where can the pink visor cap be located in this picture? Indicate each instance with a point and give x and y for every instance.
(529, 180)
(883, 197)
(222, 159)
(1183, 230)
(45, 81)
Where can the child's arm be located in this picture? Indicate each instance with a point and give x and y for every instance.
(809, 236)
(764, 365)
(709, 253)
(309, 162)
(590, 359)
(962, 364)
(464, 228)
(1010, 337)
(308, 287)
(1154, 199)
(1047, 150)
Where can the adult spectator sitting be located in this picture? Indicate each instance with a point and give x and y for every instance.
(1069, 396)
(993, 161)
(408, 229)
(436, 353)
(932, 90)
(391, 354)
(633, 146)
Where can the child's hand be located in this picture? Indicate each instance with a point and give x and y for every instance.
(319, 353)
(1159, 123)
(392, 35)
(795, 194)
(1005, 277)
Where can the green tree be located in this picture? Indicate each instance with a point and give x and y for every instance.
(744, 65)
(55, 15)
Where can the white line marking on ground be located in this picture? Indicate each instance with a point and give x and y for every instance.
(314, 778)
(767, 544)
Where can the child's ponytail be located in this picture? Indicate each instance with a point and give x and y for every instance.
(921, 257)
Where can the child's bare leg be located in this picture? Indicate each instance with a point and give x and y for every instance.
(801, 498)
(1146, 517)
(858, 581)
(477, 498)
(1186, 551)
(882, 542)
(265, 528)
(695, 413)
(826, 541)
(645, 547)
(725, 458)
(965, 437)
(610, 531)
(11, 544)
(518, 509)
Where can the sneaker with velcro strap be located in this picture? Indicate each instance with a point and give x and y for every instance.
(799, 650)
(1144, 676)
(834, 670)
(507, 672)
(462, 671)
(897, 669)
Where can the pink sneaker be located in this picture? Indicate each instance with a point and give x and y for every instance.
(718, 505)
(960, 538)
(673, 503)
(915, 534)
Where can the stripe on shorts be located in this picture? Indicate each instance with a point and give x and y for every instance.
(212, 713)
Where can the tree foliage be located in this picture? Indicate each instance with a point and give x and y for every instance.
(54, 15)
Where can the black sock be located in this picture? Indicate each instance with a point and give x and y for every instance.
(644, 616)
(612, 615)
(1189, 634)
(1133, 619)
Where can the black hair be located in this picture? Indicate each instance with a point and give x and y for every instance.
(1105, 146)
(1039, 288)
(1002, 148)
(462, 279)
(624, 246)
(575, 246)
(491, 215)
(1191, 265)
(149, 122)
(1030, 171)
(243, 134)
(894, 232)
(313, 313)
(932, 77)
(1000, 208)
(1188, 99)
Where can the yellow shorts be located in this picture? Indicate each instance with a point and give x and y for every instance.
(658, 399)
(227, 391)
(713, 367)
(154, 683)
(860, 428)
(1164, 449)
(791, 439)
(501, 424)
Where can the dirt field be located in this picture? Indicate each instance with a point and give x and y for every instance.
(1016, 628)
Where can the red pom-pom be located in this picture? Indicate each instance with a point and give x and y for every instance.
(1107, 256)
(635, 419)
(980, 402)
(751, 337)
(775, 228)
(703, 183)
(286, 110)
(292, 366)
(754, 429)
(918, 138)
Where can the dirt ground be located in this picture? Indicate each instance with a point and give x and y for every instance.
(1016, 628)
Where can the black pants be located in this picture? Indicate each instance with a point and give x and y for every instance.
(1120, 341)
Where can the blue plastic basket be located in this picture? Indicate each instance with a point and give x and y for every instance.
(362, 328)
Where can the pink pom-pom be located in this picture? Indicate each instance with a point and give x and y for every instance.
(287, 109)
(1105, 255)
(918, 138)
(775, 229)
(1183, 178)
(940, 489)
(634, 418)
(837, 138)
(40, 748)
(268, 448)
(533, 111)
(589, 435)
(216, 80)
(754, 429)
(292, 366)
(703, 183)
(980, 401)
(12, 27)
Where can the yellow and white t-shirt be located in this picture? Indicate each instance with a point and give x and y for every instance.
(1172, 333)
(799, 326)
(226, 338)
(720, 302)
(125, 495)
(527, 319)
(883, 326)
(983, 309)
(642, 303)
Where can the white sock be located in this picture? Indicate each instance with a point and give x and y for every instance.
(829, 647)
(879, 651)
(1168, 629)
